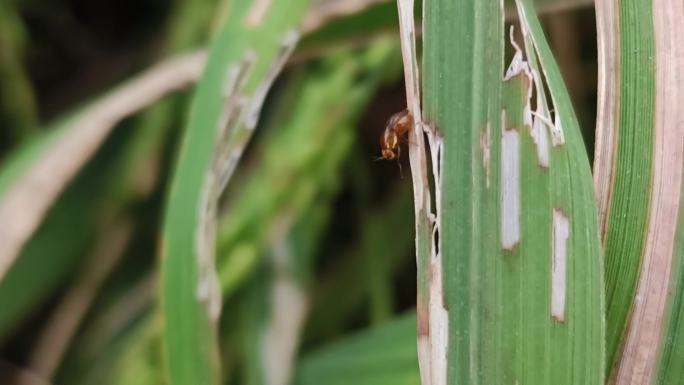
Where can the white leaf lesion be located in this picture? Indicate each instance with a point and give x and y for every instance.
(532, 52)
(539, 119)
(561, 233)
(208, 286)
(510, 185)
(223, 162)
(287, 46)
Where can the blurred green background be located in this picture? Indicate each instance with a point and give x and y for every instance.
(80, 303)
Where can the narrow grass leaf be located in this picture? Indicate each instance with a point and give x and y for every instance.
(515, 289)
(248, 53)
(623, 160)
(640, 160)
(385, 355)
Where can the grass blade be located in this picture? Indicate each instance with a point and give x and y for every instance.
(37, 175)
(639, 179)
(515, 273)
(384, 355)
(248, 53)
(670, 365)
(624, 152)
(17, 101)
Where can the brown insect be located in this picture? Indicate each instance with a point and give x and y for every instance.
(396, 130)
